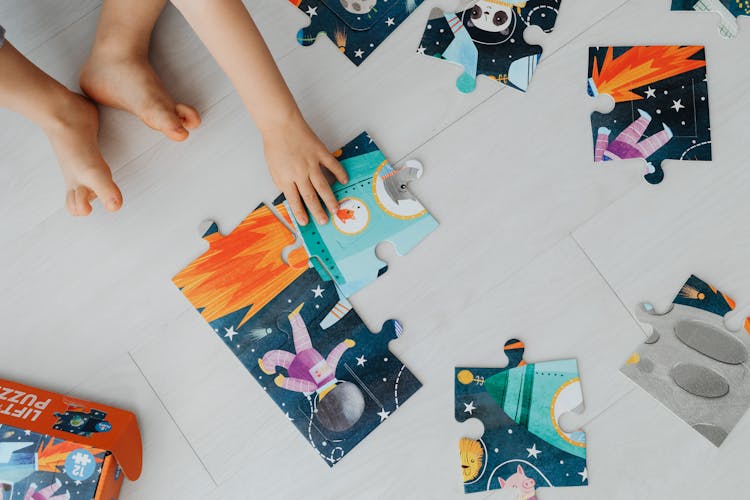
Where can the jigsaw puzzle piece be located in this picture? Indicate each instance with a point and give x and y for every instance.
(336, 382)
(487, 39)
(375, 206)
(523, 445)
(661, 105)
(357, 27)
(296, 333)
(729, 10)
(692, 363)
(240, 274)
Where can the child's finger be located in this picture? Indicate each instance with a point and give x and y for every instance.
(335, 167)
(310, 196)
(325, 192)
(298, 209)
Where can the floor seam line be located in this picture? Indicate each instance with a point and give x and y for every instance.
(171, 417)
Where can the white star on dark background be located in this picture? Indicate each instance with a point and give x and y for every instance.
(312, 11)
(230, 333)
(361, 360)
(359, 53)
(421, 50)
(383, 414)
(650, 92)
(533, 452)
(390, 21)
(584, 474)
(469, 408)
(677, 105)
(318, 292)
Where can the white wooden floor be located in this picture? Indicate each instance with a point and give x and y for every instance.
(535, 242)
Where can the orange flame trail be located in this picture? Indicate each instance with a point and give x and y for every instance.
(52, 456)
(641, 66)
(243, 268)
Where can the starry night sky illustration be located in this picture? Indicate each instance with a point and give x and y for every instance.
(506, 441)
(369, 364)
(78, 490)
(712, 301)
(358, 34)
(496, 50)
(681, 102)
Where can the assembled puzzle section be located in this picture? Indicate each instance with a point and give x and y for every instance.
(374, 206)
(53, 447)
(357, 27)
(297, 334)
(661, 105)
(487, 38)
(523, 445)
(729, 10)
(692, 363)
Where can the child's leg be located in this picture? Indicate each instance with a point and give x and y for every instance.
(633, 133)
(602, 143)
(118, 74)
(71, 124)
(650, 145)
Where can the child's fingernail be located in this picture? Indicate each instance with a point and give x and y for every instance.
(322, 220)
(112, 204)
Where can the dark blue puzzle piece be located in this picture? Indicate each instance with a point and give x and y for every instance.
(660, 114)
(522, 446)
(487, 39)
(368, 383)
(357, 27)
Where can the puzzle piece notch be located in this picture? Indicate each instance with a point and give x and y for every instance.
(520, 405)
(376, 206)
(356, 27)
(692, 362)
(488, 38)
(647, 122)
(728, 11)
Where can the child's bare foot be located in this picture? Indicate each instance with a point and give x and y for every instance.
(127, 81)
(73, 131)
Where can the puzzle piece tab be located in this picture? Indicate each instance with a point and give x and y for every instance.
(487, 39)
(523, 445)
(357, 27)
(375, 206)
(661, 105)
(692, 363)
(729, 10)
(297, 335)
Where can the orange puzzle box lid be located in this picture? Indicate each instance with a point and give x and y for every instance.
(55, 447)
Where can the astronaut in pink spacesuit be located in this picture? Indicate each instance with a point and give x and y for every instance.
(627, 145)
(307, 370)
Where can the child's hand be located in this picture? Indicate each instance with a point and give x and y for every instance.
(299, 165)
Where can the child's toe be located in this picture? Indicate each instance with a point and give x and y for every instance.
(103, 187)
(189, 116)
(83, 197)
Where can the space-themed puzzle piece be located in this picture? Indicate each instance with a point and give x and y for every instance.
(374, 206)
(486, 38)
(692, 363)
(523, 445)
(297, 334)
(661, 105)
(357, 27)
(729, 10)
